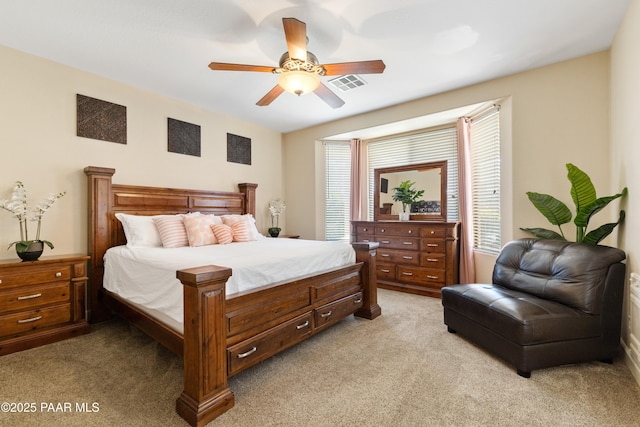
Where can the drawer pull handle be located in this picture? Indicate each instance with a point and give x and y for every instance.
(407, 243)
(304, 325)
(404, 273)
(432, 260)
(327, 314)
(384, 270)
(385, 241)
(410, 231)
(407, 257)
(365, 229)
(0, 282)
(433, 245)
(382, 230)
(385, 255)
(58, 274)
(247, 353)
(432, 277)
(365, 240)
(29, 297)
(357, 301)
(32, 319)
(433, 232)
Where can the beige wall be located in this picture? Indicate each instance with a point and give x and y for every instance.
(625, 148)
(39, 146)
(553, 115)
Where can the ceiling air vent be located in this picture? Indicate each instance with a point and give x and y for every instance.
(346, 83)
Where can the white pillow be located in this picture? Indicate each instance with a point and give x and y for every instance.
(139, 230)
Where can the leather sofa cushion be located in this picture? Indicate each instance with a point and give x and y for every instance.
(518, 316)
(565, 272)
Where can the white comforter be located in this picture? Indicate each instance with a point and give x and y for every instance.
(147, 276)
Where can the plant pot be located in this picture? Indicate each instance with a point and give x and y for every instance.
(33, 252)
(404, 216)
(274, 231)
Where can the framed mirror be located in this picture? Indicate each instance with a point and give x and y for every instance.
(430, 177)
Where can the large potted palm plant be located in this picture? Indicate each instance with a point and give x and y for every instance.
(587, 204)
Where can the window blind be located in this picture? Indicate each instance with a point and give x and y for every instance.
(427, 145)
(337, 190)
(484, 132)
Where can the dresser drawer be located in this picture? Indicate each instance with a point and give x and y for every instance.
(397, 256)
(33, 276)
(331, 313)
(362, 230)
(421, 275)
(385, 271)
(433, 246)
(268, 343)
(433, 232)
(407, 230)
(34, 319)
(33, 296)
(407, 243)
(433, 260)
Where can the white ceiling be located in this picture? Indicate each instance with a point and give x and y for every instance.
(428, 46)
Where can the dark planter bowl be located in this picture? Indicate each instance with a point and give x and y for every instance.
(33, 252)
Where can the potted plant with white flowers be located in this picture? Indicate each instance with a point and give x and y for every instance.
(276, 208)
(28, 249)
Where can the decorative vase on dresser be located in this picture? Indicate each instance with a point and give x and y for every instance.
(418, 257)
(42, 301)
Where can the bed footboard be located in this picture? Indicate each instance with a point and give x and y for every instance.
(206, 393)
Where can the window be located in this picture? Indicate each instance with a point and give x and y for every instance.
(427, 145)
(338, 190)
(484, 131)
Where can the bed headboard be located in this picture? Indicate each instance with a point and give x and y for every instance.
(106, 199)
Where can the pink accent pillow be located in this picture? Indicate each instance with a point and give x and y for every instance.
(198, 228)
(172, 231)
(223, 233)
(241, 231)
(254, 234)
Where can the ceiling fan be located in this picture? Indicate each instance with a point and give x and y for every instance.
(299, 70)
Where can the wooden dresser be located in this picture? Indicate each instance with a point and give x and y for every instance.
(42, 301)
(418, 257)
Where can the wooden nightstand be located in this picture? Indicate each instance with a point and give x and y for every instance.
(42, 301)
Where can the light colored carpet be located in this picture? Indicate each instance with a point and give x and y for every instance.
(401, 369)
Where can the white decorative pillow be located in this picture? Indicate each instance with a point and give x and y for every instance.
(140, 230)
(223, 233)
(172, 231)
(198, 227)
(254, 234)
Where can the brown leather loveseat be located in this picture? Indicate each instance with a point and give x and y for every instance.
(550, 303)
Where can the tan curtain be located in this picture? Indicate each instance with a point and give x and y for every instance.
(467, 264)
(356, 180)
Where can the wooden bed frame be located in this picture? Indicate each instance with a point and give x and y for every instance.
(222, 335)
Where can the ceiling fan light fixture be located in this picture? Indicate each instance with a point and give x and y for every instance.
(299, 82)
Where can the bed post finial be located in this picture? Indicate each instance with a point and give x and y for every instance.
(249, 191)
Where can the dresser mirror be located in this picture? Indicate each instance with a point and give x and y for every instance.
(430, 177)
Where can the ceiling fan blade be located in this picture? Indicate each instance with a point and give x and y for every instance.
(296, 34)
(328, 96)
(270, 96)
(362, 67)
(240, 67)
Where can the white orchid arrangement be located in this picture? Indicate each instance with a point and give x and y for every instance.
(18, 207)
(276, 208)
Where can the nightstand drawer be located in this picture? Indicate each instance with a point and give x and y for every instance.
(33, 296)
(33, 276)
(34, 319)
